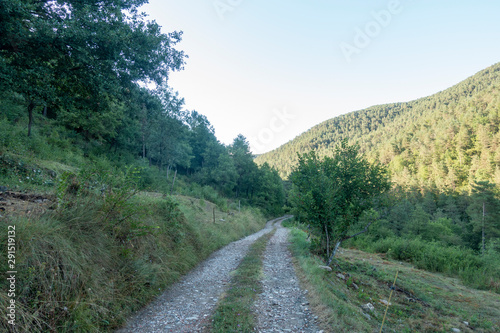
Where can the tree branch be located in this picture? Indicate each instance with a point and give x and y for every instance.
(359, 233)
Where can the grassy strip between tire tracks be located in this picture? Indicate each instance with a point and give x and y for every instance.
(234, 312)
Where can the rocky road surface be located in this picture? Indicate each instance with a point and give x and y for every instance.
(188, 305)
(283, 306)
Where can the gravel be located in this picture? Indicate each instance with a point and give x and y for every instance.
(282, 306)
(188, 304)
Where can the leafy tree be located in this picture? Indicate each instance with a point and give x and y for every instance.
(270, 194)
(169, 134)
(418, 221)
(333, 193)
(399, 215)
(82, 56)
(202, 139)
(225, 175)
(245, 166)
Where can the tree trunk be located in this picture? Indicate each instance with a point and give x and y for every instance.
(173, 182)
(483, 246)
(330, 258)
(31, 106)
(143, 146)
(161, 153)
(333, 253)
(327, 241)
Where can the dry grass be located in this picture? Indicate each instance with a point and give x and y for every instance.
(79, 272)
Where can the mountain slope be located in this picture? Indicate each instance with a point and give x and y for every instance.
(444, 140)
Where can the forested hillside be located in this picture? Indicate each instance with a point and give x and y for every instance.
(442, 155)
(446, 140)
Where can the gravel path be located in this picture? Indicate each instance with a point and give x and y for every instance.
(188, 305)
(282, 307)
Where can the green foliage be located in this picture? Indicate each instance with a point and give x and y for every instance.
(336, 311)
(55, 150)
(483, 212)
(477, 271)
(80, 58)
(443, 141)
(421, 302)
(79, 70)
(332, 194)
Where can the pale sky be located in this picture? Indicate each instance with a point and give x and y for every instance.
(271, 70)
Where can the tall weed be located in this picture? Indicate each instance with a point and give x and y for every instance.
(88, 265)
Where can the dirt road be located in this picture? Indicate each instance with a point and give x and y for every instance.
(188, 305)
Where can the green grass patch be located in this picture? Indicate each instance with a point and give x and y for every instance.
(477, 271)
(422, 302)
(329, 302)
(234, 313)
(89, 264)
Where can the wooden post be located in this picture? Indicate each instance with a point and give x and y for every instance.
(214, 214)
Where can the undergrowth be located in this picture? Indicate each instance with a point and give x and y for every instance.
(105, 250)
(475, 270)
(421, 301)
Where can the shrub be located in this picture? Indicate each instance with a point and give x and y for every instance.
(481, 272)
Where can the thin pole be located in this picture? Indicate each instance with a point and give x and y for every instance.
(390, 296)
(484, 213)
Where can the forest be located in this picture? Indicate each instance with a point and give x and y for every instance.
(114, 189)
(90, 78)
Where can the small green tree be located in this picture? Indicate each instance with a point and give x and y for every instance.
(333, 193)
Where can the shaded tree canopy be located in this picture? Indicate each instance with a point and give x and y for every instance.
(83, 56)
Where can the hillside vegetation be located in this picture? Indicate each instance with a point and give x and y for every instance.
(86, 81)
(442, 154)
(445, 140)
(353, 296)
(87, 265)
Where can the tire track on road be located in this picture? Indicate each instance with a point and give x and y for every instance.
(283, 306)
(187, 305)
